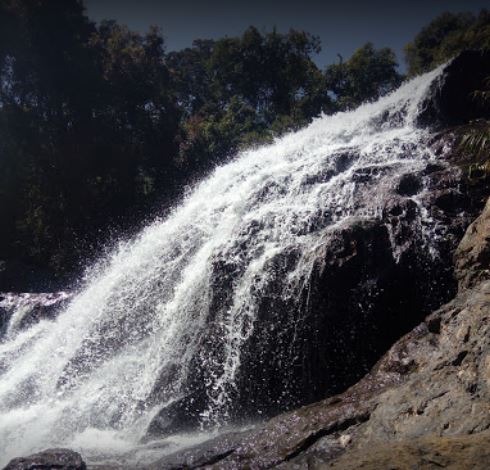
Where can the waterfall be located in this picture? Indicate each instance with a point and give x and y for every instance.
(133, 338)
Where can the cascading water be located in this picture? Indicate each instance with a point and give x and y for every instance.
(130, 342)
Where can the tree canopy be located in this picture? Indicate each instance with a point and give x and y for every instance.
(368, 74)
(444, 37)
(101, 125)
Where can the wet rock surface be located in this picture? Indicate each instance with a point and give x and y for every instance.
(425, 404)
(51, 459)
(374, 280)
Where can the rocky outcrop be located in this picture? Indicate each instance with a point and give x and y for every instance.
(424, 405)
(372, 281)
(426, 401)
(468, 452)
(473, 254)
(59, 459)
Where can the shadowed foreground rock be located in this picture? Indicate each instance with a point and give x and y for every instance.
(59, 459)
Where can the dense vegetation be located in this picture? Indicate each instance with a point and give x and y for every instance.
(100, 125)
(444, 37)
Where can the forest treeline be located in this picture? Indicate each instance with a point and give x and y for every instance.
(100, 125)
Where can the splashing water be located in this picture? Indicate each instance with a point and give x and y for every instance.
(87, 380)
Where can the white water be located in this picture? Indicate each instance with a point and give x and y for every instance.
(84, 380)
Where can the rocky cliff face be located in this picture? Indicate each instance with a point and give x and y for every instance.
(425, 404)
(373, 280)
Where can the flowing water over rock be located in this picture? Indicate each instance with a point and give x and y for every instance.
(19, 311)
(177, 324)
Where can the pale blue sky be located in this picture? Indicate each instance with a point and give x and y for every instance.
(342, 25)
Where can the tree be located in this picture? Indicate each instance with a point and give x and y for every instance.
(367, 75)
(88, 125)
(240, 90)
(444, 37)
(100, 124)
(274, 73)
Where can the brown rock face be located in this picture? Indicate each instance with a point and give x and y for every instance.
(428, 453)
(472, 258)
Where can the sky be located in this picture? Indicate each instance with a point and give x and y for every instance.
(342, 26)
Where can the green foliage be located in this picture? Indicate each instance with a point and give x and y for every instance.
(367, 75)
(98, 123)
(475, 143)
(440, 40)
(475, 140)
(87, 125)
(239, 91)
(444, 37)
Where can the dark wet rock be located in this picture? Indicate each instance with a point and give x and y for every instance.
(291, 435)
(450, 101)
(409, 185)
(423, 405)
(59, 459)
(206, 454)
(366, 174)
(18, 311)
(181, 415)
(374, 279)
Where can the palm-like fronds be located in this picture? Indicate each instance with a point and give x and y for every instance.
(477, 141)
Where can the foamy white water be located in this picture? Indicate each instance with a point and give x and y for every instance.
(87, 379)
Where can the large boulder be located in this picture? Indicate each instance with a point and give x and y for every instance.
(423, 405)
(51, 459)
(373, 280)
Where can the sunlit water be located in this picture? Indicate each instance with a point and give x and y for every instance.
(84, 380)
